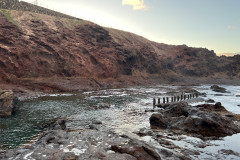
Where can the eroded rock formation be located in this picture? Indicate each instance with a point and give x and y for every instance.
(8, 103)
(206, 120)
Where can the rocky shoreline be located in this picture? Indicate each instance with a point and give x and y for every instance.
(65, 140)
(78, 138)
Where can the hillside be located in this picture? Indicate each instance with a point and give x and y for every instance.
(49, 52)
(24, 6)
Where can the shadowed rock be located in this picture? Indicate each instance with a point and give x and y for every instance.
(217, 88)
(139, 152)
(204, 120)
(69, 156)
(210, 101)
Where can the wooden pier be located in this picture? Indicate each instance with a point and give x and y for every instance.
(158, 102)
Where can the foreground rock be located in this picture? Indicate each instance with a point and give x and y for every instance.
(69, 139)
(8, 103)
(217, 88)
(205, 120)
(139, 152)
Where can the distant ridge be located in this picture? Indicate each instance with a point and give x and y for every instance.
(24, 6)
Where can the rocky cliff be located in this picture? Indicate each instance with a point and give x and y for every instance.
(39, 50)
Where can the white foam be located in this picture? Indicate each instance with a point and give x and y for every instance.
(27, 155)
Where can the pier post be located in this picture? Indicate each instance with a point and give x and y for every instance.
(190, 96)
(184, 97)
(167, 99)
(181, 97)
(158, 100)
(178, 98)
(163, 99)
(174, 98)
(196, 95)
(154, 102)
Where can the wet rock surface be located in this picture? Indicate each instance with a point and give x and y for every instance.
(217, 88)
(83, 143)
(210, 101)
(204, 120)
(124, 133)
(8, 103)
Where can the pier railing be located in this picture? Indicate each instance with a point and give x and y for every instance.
(158, 102)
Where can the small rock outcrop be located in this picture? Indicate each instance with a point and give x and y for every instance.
(139, 152)
(205, 120)
(217, 88)
(210, 101)
(8, 103)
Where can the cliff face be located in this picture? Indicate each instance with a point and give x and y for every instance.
(35, 45)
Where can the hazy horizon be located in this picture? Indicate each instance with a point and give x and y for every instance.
(208, 24)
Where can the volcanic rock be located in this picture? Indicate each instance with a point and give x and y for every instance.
(139, 152)
(201, 120)
(217, 88)
(8, 103)
(210, 101)
(208, 107)
(56, 125)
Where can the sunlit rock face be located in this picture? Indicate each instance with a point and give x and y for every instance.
(7, 103)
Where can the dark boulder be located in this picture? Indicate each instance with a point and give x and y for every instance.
(210, 101)
(157, 120)
(176, 110)
(209, 107)
(217, 88)
(211, 124)
(204, 120)
(58, 125)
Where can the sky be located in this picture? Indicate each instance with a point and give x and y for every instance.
(212, 24)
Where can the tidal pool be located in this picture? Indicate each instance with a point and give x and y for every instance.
(126, 104)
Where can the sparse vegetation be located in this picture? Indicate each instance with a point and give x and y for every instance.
(71, 23)
(7, 14)
(24, 6)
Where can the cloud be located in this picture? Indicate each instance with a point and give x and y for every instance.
(136, 4)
